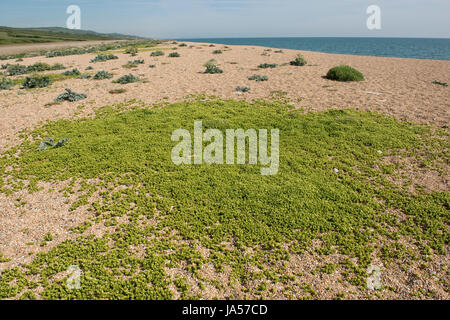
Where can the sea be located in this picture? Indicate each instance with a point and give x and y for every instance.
(419, 48)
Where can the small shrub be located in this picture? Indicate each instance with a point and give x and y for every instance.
(157, 53)
(104, 57)
(131, 50)
(19, 60)
(298, 61)
(217, 52)
(117, 91)
(84, 76)
(36, 82)
(129, 78)
(5, 84)
(267, 65)
(344, 73)
(258, 78)
(71, 96)
(183, 45)
(38, 67)
(73, 72)
(89, 68)
(242, 89)
(102, 75)
(174, 55)
(152, 66)
(278, 51)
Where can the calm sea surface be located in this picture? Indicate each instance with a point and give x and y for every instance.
(383, 47)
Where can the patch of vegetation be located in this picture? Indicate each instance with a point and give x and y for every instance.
(267, 65)
(133, 64)
(344, 73)
(84, 76)
(444, 84)
(157, 53)
(217, 52)
(117, 91)
(298, 61)
(5, 84)
(258, 78)
(71, 96)
(174, 55)
(50, 143)
(152, 66)
(36, 81)
(242, 89)
(211, 67)
(102, 75)
(129, 78)
(89, 68)
(73, 72)
(182, 45)
(104, 57)
(132, 51)
(18, 69)
(244, 220)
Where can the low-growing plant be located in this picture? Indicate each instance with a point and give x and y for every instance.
(129, 78)
(104, 57)
(344, 73)
(258, 78)
(183, 45)
(71, 96)
(57, 66)
(444, 84)
(73, 72)
(174, 55)
(102, 75)
(47, 144)
(157, 53)
(242, 89)
(89, 68)
(36, 82)
(211, 68)
(298, 61)
(131, 50)
(16, 69)
(84, 76)
(267, 65)
(5, 84)
(217, 52)
(152, 66)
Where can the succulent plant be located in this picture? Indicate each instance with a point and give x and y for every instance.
(71, 96)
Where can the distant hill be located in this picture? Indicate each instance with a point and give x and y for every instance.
(54, 34)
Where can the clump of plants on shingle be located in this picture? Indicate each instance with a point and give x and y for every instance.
(129, 78)
(242, 89)
(102, 74)
(5, 84)
(157, 53)
(344, 73)
(73, 72)
(57, 66)
(36, 82)
(258, 78)
(50, 143)
(71, 96)
(16, 69)
(267, 65)
(132, 50)
(211, 68)
(84, 76)
(183, 45)
(89, 68)
(217, 52)
(298, 61)
(174, 55)
(117, 91)
(152, 66)
(104, 57)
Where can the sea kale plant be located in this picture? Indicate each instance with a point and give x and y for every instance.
(71, 96)
(267, 65)
(104, 57)
(50, 143)
(258, 78)
(73, 72)
(211, 68)
(36, 82)
(129, 78)
(5, 84)
(102, 75)
(157, 53)
(174, 55)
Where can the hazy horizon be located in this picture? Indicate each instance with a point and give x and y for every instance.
(196, 19)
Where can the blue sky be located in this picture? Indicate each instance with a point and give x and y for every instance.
(237, 18)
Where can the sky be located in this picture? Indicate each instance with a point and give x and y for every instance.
(176, 19)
